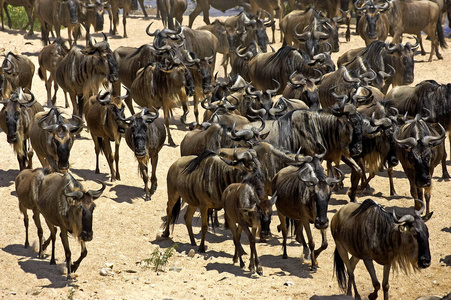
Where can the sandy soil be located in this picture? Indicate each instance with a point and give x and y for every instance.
(126, 227)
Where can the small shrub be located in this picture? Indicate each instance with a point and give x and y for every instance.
(159, 259)
(19, 18)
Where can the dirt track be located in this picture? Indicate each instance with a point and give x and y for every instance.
(126, 227)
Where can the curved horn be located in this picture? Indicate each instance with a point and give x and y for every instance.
(303, 36)
(434, 140)
(321, 155)
(183, 119)
(396, 47)
(274, 90)
(127, 94)
(96, 194)
(259, 112)
(210, 107)
(296, 83)
(307, 178)
(390, 74)
(410, 141)
(333, 180)
(347, 77)
(421, 210)
(71, 127)
(415, 46)
(75, 194)
(257, 93)
(384, 122)
(404, 219)
(148, 116)
(247, 55)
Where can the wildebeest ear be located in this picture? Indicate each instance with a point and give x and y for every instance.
(273, 199)
(264, 136)
(427, 216)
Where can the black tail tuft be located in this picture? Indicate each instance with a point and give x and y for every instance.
(175, 212)
(441, 35)
(340, 271)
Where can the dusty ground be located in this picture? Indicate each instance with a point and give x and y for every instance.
(126, 227)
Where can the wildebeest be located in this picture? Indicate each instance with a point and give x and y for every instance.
(105, 120)
(91, 14)
(374, 25)
(301, 19)
(15, 120)
(200, 182)
(411, 16)
(303, 191)
(204, 7)
(265, 67)
(18, 71)
(28, 6)
(64, 202)
(270, 6)
(52, 136)
(125, 5)
(368, 232)
(160, 86)
(28, 183)
(57, 13)
(218, 29)
(247, 205)
(339, 131)
(49, 58)
(145, 135)
(170, 10)
(302, 88)
(420, 148)
(82, 71)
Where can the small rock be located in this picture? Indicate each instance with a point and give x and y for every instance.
(288, 283)
(106, 272)
(152, 285)
(255, 275)
(13, 293)
(434, 282)
(131, 271)
(109, 265)
(148, 282)
(212, 258)
(191, 253)
(175, 269)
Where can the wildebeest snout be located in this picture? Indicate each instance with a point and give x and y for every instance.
(321, 224)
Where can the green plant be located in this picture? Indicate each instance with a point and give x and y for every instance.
(19, 18)
(159, 259)
(71, 294)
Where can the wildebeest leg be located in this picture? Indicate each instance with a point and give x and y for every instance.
(324, 244)
(311, 243)
(26, 222)
(356, 173)
(445, 174)
(204, 218)
(434, 44)
(352, 263)
(53, 237)
(153, 178)
(68, 254)
(423, 52)
(300, 239)
(385, 284)
(283, 227)
(236, 240)
(124, 22)
(117, 143)
(189, 223)
(349, 267)
(37, 221)
(98, 141)
(253, 259)
(195, 13)
(392, 185)
(166, 123)
(370, 267)
(129, 102)
(83, 254)
(106, 146)
(144, 173)
(427, 198)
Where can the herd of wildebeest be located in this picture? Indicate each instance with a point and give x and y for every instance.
(250, 151)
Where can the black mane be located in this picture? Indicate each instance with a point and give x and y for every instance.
(194, 164)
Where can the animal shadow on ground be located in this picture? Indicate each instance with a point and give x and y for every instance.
(446, 260)
(40, 267)
(125, 193)
(7, 177)
(293, 265)
(331, 297)
(447, 229)
(86, 174)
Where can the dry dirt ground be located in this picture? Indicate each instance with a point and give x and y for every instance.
(126, 228)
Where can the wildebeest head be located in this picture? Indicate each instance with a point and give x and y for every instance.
(72, 6)
(138, 127)
(61, 137)
(311, 173)
(419, 140)
(95, 7)
(261, 103)
(203, 67)
(304, 89)
(349, 111)
(10, 69)
(415, 233)
(16, 115)
(113, 114)
(311, 38)
(82, 207)
(402, 58)
(105, 59)
(260, 31)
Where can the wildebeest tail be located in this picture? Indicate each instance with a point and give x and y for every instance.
(40, 74)
(440, 35)
(176, 211)
(340, 271)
